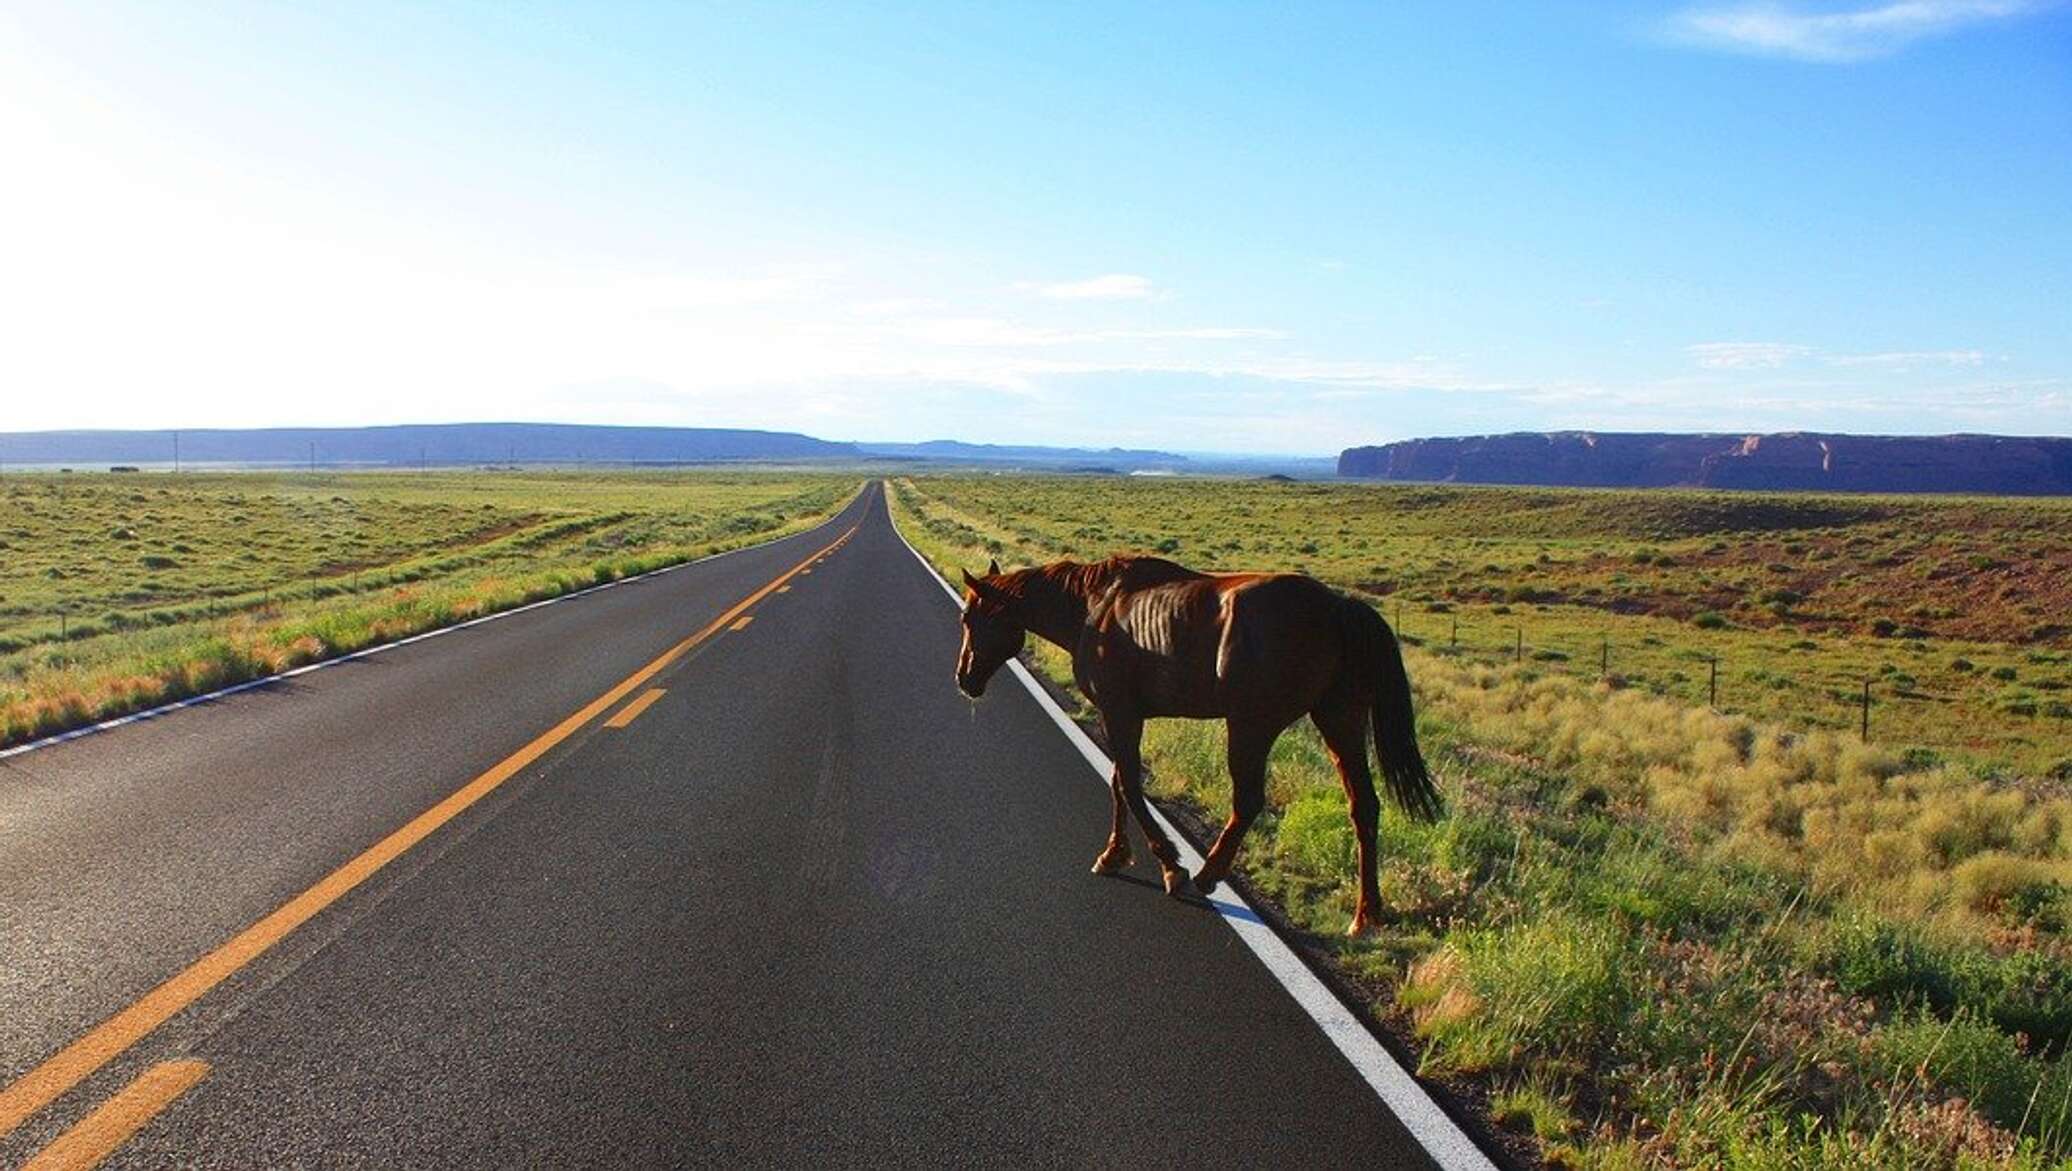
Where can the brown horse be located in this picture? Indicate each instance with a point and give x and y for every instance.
(1150, 638)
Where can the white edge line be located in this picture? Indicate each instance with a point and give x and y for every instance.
(166, 709)
(1439, 1135)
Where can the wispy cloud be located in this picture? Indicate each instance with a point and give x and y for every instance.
(1744, 355)
(1007, 334)
(1836, 36)
(1773, 355)
(1819, 400)
(1906, 360)
(1114, 286)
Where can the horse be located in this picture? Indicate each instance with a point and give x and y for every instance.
(1151, 638)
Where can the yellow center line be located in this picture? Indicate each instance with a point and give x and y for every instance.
(119, 1118)
(75, 1062)
(742, 623)
(631, 711)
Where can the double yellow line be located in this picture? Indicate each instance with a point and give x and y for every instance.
(58, 1074)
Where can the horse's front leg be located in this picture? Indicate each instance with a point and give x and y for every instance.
(1125, 740)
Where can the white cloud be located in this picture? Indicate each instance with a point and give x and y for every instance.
(1207, 334)
(1773, 355)
(1744, 355)
(1904, 361)
(1114, 286)
(1836, 37)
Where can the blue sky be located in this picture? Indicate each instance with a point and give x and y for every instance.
(1208, 227)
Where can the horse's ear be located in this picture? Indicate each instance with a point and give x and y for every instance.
(974, 584)
(994, 569)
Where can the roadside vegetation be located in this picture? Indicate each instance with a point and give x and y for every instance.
(1656, 933)
(1956, 611)
(121, 591)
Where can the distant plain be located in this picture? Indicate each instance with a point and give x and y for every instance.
(118, 591)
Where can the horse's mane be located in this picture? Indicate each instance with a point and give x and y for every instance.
(1088, 579)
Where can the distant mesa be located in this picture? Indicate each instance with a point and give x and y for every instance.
(440, 444)
(499, 446)
(1113, 460)
(1999, 464)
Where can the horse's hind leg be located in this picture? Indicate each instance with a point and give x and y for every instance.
(1125, 740)
(1343, 721)
(1117, 854)
(1248, 743)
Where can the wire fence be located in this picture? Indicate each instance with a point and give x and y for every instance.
(1744, 679)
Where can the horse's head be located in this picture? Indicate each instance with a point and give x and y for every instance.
(991, 633)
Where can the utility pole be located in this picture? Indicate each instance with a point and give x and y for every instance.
(176, 453)
(312, 457)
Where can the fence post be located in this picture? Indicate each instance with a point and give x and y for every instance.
(1604, 656)
(1454, 640)
(1866, 733)
(1519, 657)
(1713, 699)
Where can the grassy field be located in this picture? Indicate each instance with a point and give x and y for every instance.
(1655, 933)
(121, 591)
(1957, 612)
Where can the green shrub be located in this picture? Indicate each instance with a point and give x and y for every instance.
(1963, 1055)
(2025, 992)
(1489, 999)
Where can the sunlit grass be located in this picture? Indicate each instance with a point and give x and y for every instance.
(119, 592)
(1666, 935)
(1954, 610)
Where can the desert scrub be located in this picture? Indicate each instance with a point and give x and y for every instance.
(1666, 935)
(1845, 817)
(263, 572)
(1649, 586)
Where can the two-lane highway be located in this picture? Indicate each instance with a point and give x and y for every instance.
(771, 892)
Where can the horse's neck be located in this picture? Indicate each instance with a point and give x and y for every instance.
(1057, 598)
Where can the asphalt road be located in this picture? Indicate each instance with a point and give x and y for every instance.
(807, 906)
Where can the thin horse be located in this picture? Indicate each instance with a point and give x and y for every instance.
(1150, 638)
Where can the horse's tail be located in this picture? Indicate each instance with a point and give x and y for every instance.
(1376, 655)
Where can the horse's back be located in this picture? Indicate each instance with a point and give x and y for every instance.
(1209, 644)
(1280, 632)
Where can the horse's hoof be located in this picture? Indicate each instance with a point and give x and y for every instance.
(1204, 882)
(1177, 884)
(1111, 861)
(1362, 924)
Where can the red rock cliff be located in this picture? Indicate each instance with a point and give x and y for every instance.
(1793, 460)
